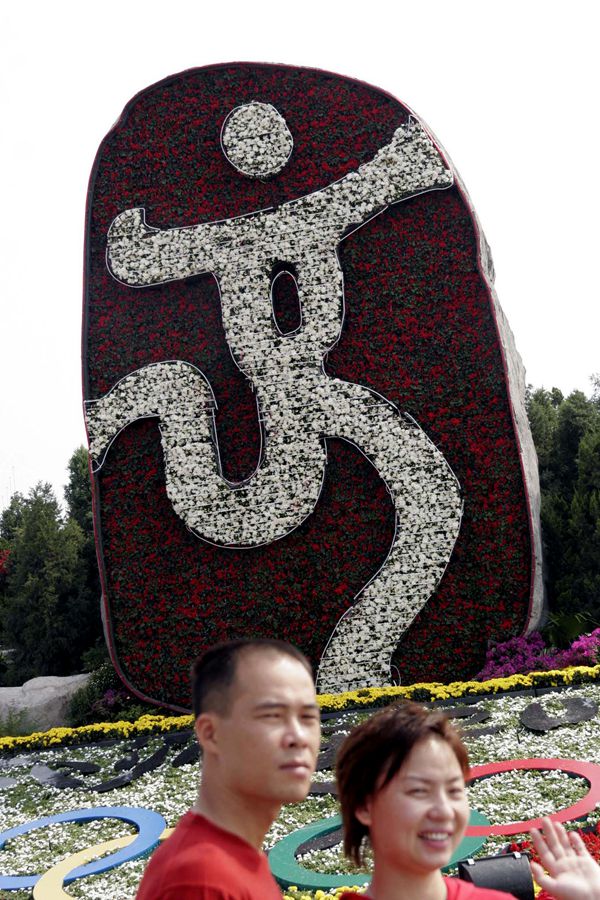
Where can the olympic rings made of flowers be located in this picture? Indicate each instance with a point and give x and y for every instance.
(150, 826)
(50, 885)
(282, 858)
(589, 771)
(287, 870)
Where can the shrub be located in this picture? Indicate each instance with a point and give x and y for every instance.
(528, 653)
(82, 702)
(104, 699)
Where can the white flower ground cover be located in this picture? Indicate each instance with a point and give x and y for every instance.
(511, 796)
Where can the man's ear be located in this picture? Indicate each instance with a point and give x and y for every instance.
(363, 813)
(205, 727)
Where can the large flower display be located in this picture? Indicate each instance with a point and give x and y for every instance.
(70, 796)
(298, 389)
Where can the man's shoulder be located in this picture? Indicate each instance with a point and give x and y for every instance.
(194, 852)
(202, 860)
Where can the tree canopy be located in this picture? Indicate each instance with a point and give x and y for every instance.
(49, 594)
(566, 432)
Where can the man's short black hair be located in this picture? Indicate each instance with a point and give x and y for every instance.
(213, 672)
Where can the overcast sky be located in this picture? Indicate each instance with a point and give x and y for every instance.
(509, 88)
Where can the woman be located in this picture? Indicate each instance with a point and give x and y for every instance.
(401, 782)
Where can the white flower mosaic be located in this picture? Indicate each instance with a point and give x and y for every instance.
(298, 404)
(256, 140)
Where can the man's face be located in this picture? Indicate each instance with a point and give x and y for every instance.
(265, 747)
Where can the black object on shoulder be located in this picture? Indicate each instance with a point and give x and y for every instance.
(509, 872)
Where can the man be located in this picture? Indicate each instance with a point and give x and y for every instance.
(258, 724)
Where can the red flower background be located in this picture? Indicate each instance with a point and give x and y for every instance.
(419, 328)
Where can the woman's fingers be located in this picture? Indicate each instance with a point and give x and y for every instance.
(563, 836)
(577, 843)
(538, 873)
(553, 844)
(571, 872)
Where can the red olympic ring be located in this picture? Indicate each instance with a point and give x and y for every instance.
(589, 771)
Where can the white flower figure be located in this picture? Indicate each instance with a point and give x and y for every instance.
(298, 403)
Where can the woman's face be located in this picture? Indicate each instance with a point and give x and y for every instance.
(418, 819)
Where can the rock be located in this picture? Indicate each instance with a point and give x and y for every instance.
(321, 842)
(77, 765)
(188, 755)
(127, 762)
(577, 709)
(112, 783)
(40, 703)
(178, 738)
(7, 783)
(151, 762)
(323, 787)
(42, 773)
(326, 758)
(17, 762)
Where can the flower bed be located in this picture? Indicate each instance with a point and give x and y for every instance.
(364, 698)
(528, 652)
(170, 790)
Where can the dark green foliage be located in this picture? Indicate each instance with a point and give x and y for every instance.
(50, 593)
(566, 433)
(78, 491)
(82, 702)
(12, 519)
(577, 416)
(543, 414)
(41, 611)
(96, 656)
(562, 628)
(78, 494)
(579, 586)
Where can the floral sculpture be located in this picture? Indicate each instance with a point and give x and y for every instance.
(293, 383)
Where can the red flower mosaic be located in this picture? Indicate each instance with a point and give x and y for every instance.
(419, 329)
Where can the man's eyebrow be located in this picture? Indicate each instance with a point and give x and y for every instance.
(280, 704)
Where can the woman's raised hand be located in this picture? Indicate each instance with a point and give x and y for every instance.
(571, 873)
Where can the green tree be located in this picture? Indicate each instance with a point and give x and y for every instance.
(564, 432)
(49, 616)
(542, 408)
(78, 491)
(78, 495)
(41, 575)
(579, 587)
(576, 417)
(11, 519)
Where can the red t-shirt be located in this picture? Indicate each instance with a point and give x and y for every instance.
(456, 889)
(201, 861)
